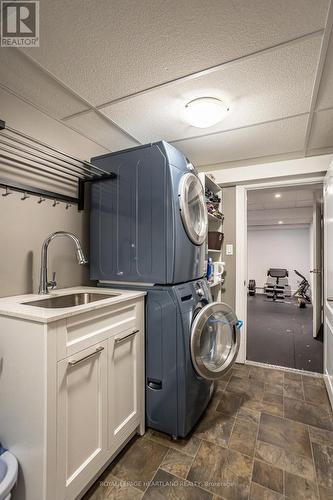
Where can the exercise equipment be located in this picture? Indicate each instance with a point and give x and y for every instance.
(302, 293)
(277, 286)
(252, 287)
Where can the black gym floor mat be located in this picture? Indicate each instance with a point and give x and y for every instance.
(281, 334)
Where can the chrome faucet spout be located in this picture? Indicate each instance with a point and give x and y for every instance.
(44, 284)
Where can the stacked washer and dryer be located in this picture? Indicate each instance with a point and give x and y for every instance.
(148, 232)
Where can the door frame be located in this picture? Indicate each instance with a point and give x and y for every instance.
(241, 245)
(328, 310)
(317, 260)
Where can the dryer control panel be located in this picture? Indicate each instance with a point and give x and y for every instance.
(191, 293)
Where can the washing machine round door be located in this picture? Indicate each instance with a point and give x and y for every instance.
(193, 208)
(215, 340)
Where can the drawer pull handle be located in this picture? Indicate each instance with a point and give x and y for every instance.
(97, 351)
(123, 339)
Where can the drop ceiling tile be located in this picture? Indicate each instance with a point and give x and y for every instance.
(290, 198)
(279, 204)
(322, 130)
(28, 81)
(266, 87)
(101, 130)
(304, 195)
(253, 142)
(304, 203)
(27, 119)
(289, 216)
(325, 95)
(255, 206)
(105, 50)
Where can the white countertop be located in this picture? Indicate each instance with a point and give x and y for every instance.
(15, 307)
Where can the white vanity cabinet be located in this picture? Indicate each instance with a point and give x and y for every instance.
(82, 418)
(77, 392)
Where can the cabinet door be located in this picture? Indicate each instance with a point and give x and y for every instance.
(81, 419)
(124, 386)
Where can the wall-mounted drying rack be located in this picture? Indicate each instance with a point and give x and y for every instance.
(18, 150)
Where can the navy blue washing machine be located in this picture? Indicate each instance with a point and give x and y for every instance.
(190, 342)
(149, 225)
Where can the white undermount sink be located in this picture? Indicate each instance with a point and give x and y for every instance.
(70, 300)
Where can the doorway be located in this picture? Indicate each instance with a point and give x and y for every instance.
(281, 259)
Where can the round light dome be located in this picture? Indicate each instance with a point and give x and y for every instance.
(205, 112)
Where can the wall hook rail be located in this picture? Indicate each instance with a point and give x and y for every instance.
(22, 152)
(7, 191)
(25, 196)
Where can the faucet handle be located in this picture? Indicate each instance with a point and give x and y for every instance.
(53, 284)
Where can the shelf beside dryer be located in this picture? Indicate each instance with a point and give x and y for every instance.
(214, 200)
(210, 184)
(213, 219)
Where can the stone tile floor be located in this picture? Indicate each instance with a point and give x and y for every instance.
(266, 435)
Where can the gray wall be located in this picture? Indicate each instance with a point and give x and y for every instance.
(25, 224)
(23, 227)
(229, 228)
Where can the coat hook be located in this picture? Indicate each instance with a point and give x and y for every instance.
(40, 200)
(25, 196)
(7, 192)
(68, 205)
(55, 203)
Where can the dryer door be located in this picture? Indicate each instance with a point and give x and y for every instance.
(193, 208)
(215, 340)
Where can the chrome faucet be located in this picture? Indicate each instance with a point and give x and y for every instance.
(44, 284)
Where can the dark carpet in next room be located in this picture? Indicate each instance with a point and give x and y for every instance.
(281, 334)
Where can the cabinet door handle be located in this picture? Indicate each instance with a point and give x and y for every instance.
(122, 339)
(76, 361)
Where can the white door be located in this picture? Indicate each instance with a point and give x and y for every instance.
(124, 386)
(317, 267)
(193, 208)
(328, 282)
(81, 419)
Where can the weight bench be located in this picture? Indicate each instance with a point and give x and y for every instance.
(277, 287)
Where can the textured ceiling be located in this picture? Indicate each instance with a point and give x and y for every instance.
(267, 86)
(120, 72)
(117, 47)
(294, 207)
(289, 217)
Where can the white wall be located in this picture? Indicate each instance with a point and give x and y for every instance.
(284, 248)
(312, 165)
(25, 224)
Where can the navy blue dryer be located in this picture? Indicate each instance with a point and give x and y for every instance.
(149, 225)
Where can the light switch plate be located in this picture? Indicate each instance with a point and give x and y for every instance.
(229, 249)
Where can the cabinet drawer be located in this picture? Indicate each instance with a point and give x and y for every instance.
(81, 331)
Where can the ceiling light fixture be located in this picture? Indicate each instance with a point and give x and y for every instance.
(277, 195)
(205, 111)
(280, 222)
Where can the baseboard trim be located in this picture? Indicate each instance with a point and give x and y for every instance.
(286, 369)
(329, 387)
